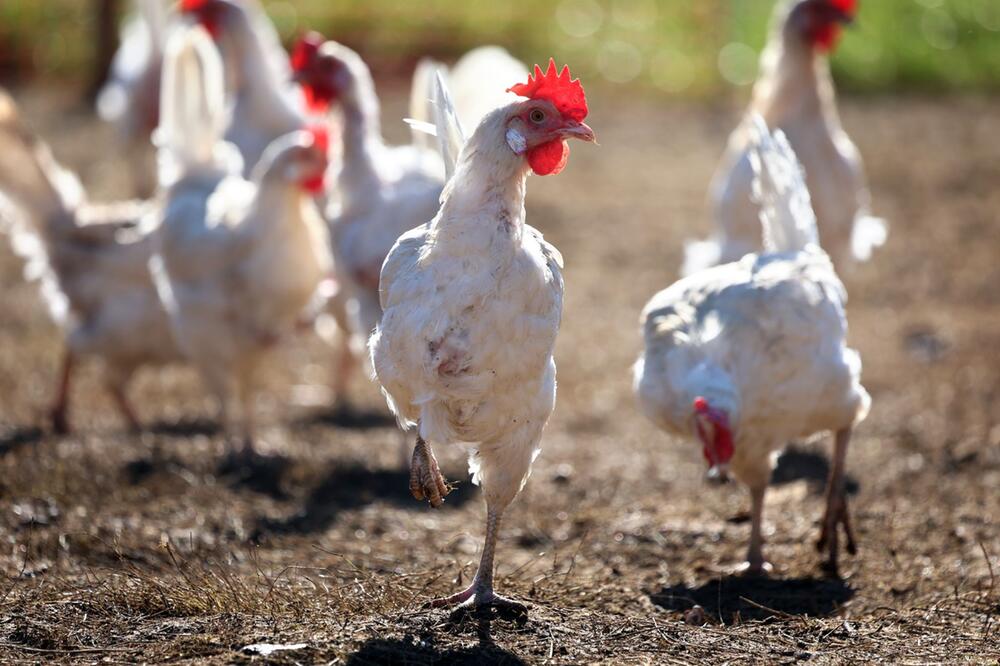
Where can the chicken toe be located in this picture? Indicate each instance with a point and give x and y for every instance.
(426, 481)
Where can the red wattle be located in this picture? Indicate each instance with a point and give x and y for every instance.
(549, 158)
(826, 38)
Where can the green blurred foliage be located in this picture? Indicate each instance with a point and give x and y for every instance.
(695, 47)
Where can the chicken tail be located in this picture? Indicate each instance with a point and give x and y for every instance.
(30, 178)
(868, 234)
(479, 81)
(193, 115)
(779, 188)
(699, 255)
(421, 100)
(448, 127)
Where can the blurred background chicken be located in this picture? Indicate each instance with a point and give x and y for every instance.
(747, 356)
(473, 301)
(794, 93)
(91, 260)
(129, 99)
(384, 191)
(237, 261)
(261, 100)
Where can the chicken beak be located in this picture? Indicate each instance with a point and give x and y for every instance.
(718, 474)
(579, 131)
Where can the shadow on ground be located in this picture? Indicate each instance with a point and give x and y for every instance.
(350, 418)
(748, 598)
(352, 487)
(15, 438)
(422, 651)
(258, 473)
(185, 428)
(800, 464)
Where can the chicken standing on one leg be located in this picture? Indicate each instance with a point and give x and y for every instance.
(472, 304)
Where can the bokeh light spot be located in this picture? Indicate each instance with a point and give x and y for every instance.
(671, 71)
(634, 14)
(939, 29)
(619, 61)
(738, 63)
(579, 18)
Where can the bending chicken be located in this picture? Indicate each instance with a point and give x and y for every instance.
(795, 94)
(473, 301)
(238, 261)
(91, 260)
(747, 356)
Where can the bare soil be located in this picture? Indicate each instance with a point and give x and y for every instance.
(123, 549)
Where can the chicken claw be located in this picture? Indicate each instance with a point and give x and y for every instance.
(426, 481)
(836, 515)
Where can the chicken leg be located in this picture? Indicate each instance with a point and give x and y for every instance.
(426, 481)
(756, 564)
(480, 593)
(58, 413)
(117, 390)
(836, 506)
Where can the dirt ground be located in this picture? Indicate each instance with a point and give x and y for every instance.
(118, 549)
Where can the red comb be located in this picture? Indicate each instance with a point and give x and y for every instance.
(700, 405)
(305, 50)
(193, 5)
(566, 94)
(849, 7)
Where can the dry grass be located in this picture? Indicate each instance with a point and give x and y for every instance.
(124, 550)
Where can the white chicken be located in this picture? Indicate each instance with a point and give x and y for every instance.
(237, 262)
(263, 103)
(130, 98)
(749, 355)
(472, 304)
(91, 260)
(382, 191)
(795, 94)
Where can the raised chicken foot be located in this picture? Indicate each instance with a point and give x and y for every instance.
(836, 508)
(426, 481)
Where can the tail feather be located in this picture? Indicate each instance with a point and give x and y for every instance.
(446, 126)
(779, 188)
(479, 81)
(193, 114)
(450, 136)
(30, 177)
(421, 95)
(699, 255)
(38, 201)
(868, 234)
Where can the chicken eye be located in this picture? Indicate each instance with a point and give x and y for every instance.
(537, 116)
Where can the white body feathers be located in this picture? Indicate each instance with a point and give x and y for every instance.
(473, 302)
(763, 338)
(238, 261)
